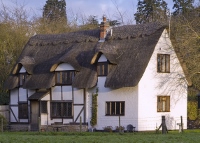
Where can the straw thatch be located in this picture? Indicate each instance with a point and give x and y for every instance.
(128, 48)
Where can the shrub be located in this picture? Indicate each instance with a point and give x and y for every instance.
(108, 129)
(192, 110)
(4, 122)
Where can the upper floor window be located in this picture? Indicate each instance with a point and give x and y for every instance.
(22, 77)
(163, 63)
(163, 103)
(102, 69)
(64, 77)
(115, 108)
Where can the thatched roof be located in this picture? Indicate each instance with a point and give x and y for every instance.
(129, 49)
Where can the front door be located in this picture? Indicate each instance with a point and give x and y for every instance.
(34, 115)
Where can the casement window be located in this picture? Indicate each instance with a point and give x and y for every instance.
(115, 108)
(163, 63)
(43, 106)
(64, 77)
(61, 109)
(163, 104)
(102, 69)
(23, 110)
(22, 77)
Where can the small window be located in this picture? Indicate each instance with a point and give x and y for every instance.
(163, 103)
(43, 105)
(23, 111)
(64, 77)
(163, 63)
(61, 109)
(22, 78)
(102, 69)
(115, 108)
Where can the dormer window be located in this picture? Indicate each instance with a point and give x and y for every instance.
(102, 68)
(22, 77)
(64, 77)
(163, 63)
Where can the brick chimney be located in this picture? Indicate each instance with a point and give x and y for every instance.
(103, 29)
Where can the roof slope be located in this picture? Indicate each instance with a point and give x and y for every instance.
(129, 48)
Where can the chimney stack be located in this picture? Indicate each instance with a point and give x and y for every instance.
(103, 29)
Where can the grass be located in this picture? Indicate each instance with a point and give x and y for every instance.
(189, 136)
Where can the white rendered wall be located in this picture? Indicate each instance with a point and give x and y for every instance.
(22, 70)
(129, 95)
(64, 66)
(14, 96)
(102, 58)
(170, 84)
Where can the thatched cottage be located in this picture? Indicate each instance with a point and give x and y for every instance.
(134, 67)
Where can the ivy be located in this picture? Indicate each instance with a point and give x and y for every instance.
(93, 121)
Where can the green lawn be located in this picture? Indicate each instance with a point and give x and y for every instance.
(189, 136)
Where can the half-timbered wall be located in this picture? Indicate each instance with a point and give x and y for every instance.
(17, 96)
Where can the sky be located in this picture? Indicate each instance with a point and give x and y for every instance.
(78, 8)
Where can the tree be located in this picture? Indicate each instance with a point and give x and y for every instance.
(151, 11)
(185, 35)
(182, 6)
(55, 10)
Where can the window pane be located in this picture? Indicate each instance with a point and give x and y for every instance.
(23, 110)
(43, 106)
(108, 108)
(163, 63)
(163, 103)
(118, 108)
(113, 108)
(122, 108)
(102, 69)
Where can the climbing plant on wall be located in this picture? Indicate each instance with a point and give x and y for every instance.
(93, 121)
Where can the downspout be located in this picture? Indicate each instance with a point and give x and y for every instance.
(84, 96)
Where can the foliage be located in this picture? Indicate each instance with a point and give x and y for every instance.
(2, 118)
(192, 110)
(93, 121)
(182, 6)
(185, 36)
(151, 11)
(55, 10)
(108, 129)
(120, 128)
(15, 32)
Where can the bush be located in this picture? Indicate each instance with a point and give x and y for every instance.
(108, 129)
(4, 122)
(192, 110)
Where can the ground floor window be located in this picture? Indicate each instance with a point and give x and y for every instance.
(115, 108)
(163, 103)
(61, 109)
(23, 110)
(43, 105)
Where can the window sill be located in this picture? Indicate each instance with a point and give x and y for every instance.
(115, 115)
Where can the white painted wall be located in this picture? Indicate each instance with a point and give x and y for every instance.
(129, 95)
(153, 84)
(64, 66)
(102, 58)
(22, 70)
(14, 96)
(22, 94)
